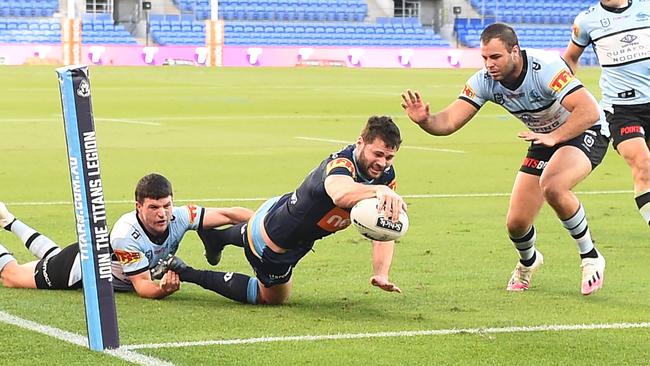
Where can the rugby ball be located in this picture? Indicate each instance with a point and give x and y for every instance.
(373, 225)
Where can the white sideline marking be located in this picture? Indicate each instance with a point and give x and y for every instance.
(403, 147)
(258, 199)
(129, 121)
(79, 340)
(435, 332)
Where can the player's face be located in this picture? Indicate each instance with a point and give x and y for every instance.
(500, 63)
(155, 214)
(374, 158)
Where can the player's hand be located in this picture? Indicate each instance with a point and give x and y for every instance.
(417, 110)
(545, 139)
(170, 282)
(390, 203)
(383, 283)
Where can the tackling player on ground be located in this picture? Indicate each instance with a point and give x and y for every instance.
(568, 138)
(619, 31)
(284, 228)
(139, 239)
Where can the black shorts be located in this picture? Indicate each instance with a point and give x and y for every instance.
(591, 142)
(629, 121)
(54, 272)
(272, 268)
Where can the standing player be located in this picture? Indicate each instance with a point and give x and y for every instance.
(568, 138)
(139, 239)
(619, 31)
(284, 228)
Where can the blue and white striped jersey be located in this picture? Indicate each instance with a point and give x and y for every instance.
(621, 40)
(536, 100)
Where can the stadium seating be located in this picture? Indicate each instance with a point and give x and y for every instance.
(28, 8)
(95, 30)
(280, 10)
(530, 35)
(533, 12)
(386, 32)
(100, 29)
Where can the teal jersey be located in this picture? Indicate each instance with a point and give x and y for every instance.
(135, 251)
(621, 40)
(536, 99)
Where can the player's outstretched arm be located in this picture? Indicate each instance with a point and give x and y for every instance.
(145, 287)
(215, 217)
(572, 56)
(345, 193)
(382, 257)
(443, 123)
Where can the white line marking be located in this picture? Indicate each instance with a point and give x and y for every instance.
(404, 146)
(129, 121)
(79, 340)
(258, 199)
(435, 332)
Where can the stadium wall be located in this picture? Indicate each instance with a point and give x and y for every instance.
(240, 56)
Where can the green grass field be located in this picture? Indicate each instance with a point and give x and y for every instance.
(227, 136)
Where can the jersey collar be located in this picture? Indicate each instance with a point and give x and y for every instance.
(617, 10)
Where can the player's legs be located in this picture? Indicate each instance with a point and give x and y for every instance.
(568, 167)
(38, 244)
(19, 275)
(637, 155)
(629, 126)
(525, 202)
(13, 274)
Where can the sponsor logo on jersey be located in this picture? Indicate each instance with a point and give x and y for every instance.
(336, 219)
(642, 16)
(605, 22)
(498, 98)
(631, 129)
(341, 163)
(468, 91)
(534, 96)
(126, 257)
(536, 66)
(192, 210)
(135, 234)
(561, 80)
(629, 38)
(393, 185)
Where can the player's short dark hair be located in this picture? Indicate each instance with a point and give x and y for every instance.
(502, 32)
(153, 186)
(384, 128)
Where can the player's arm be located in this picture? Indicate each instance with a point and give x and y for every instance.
(145, 287)
(345, 193)
(443, 123)
(215, 217)
(584, 113)
(382, 257)
(572, 55)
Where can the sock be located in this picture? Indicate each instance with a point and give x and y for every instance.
(526, 247)
(5, 257)
(40, 245)
(643, 203)
(579, 230)
(231, 235)
(235, 286)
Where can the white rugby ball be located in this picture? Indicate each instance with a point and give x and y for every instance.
(373, 225)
